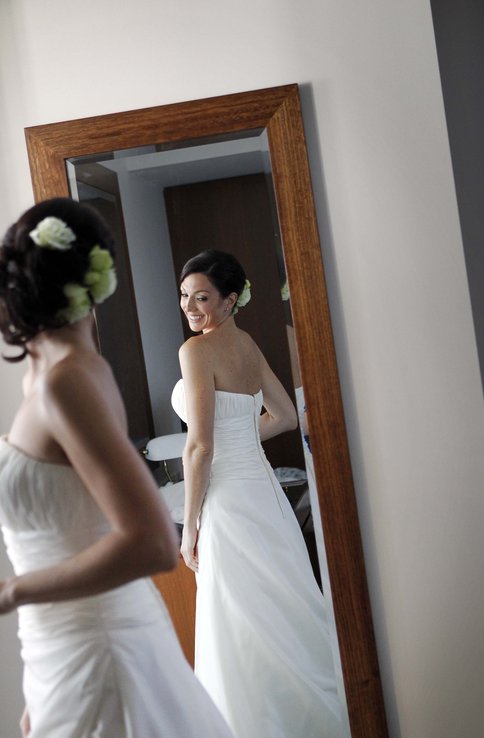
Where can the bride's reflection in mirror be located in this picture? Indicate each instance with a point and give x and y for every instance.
(262, 638)
(163, 220)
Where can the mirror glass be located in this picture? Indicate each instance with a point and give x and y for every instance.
(166, 204)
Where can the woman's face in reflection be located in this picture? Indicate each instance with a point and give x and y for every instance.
(202, 303)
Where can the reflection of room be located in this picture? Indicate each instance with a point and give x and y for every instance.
(166, 206)
(146, 193)
(128, 187)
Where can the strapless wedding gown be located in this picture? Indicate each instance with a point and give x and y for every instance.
(262, 644)
(107, 666)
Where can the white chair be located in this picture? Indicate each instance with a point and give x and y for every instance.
(164, 448)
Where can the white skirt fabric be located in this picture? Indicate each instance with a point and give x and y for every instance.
(126, 681)
(108, 666)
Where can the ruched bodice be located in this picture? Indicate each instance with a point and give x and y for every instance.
(47, 515)
(237, 447)
(41, 494)
(44, 502)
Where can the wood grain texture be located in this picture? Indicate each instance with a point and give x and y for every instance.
(329, 445)
(277, 110)
(178, 589)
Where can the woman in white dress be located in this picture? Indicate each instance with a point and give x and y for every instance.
(81, 516)
(262, 645)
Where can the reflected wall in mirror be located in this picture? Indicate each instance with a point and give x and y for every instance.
(131, 164)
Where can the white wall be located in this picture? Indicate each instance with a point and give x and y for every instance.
(154, 277)
(395, 269)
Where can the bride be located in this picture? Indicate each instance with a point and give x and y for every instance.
(262, 645)
(81, 516)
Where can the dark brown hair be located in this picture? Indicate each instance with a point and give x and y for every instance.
(223, 270)
(32, 278)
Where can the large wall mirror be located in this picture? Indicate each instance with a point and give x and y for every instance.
(228, 172)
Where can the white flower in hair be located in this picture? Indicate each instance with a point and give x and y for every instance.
(79, 303)
(243, 298)
(101, 277)
(99, 283)
(52, 233)
(285, 291)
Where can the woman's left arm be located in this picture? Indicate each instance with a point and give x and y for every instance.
(198, 380)
(280, 415)
(25, 723)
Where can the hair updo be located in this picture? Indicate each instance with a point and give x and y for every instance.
(222, 269)
(32, 278)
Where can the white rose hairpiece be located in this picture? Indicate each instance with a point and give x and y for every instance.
(52, 233)
(99, 283)
(100, 278)
(285, 291)
(243, 298)
(79, 303)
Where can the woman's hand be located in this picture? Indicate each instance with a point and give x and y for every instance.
(25, 723)
(7, 600)
(189, 547)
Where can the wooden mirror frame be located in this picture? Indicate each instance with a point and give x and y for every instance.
(278, 111)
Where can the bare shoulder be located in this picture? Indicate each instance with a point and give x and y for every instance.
(77, 370)
(190, 345)
(195, 348)
(249, 346)
(247, 342)
(83, 378)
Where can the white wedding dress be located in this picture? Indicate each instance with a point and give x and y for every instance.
(107, 666)
(262, 645)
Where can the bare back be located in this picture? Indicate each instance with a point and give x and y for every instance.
(236, 362)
